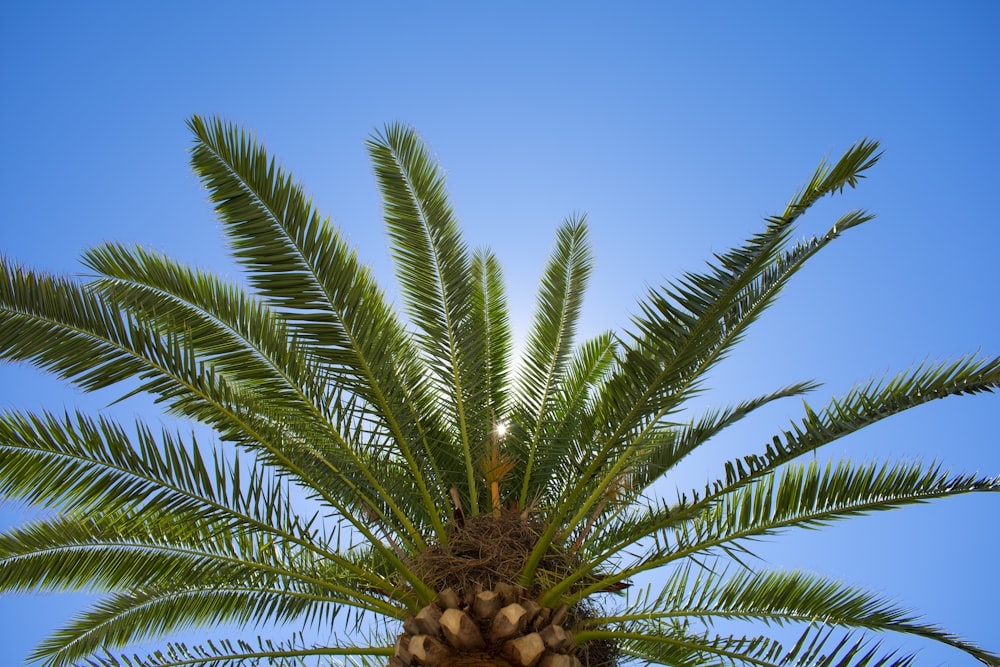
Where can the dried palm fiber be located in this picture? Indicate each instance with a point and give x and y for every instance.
(482, 617)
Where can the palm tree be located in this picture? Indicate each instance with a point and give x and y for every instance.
(486, 513)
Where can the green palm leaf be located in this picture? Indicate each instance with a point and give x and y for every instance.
(95, 466)
(239, 336)
(150, 614)
(492, 317)
(227, 653)
(860, 407)
(656, 644)
(434, 270)
(779, 598)
(676, 443)
(800, 496)
(559, 466)
(686, 369)
(110, 552)
(251, 347)
(550, 345)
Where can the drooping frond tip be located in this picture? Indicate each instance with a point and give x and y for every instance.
(845, 172)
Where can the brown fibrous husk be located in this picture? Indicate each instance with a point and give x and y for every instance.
(486, 550)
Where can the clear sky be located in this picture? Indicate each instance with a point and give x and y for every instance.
(676, 126)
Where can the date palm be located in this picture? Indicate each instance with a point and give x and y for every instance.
(493, 513)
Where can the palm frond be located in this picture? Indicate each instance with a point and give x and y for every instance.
(149, 613)
(860, 407)
(685, 372)
(779, 598)
(133, 551)
(52, 323)
(492, 316)
(571, 423)
(797, 496)
(812, 495)
(250, 345)
(865, 405)
(816, 648)
(63, 327)
(434, 270)
(95, 466)
(550, 344)
(676, 443)
(239, 653)
(239, 336)
(686, 327)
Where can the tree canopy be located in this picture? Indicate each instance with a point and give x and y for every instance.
(444, 463)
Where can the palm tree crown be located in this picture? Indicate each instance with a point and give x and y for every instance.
(495, 513)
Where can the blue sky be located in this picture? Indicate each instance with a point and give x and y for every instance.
(675, 126)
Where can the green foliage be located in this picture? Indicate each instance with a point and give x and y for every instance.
(392, 428)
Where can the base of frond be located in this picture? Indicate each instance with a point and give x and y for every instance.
(501, 628)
